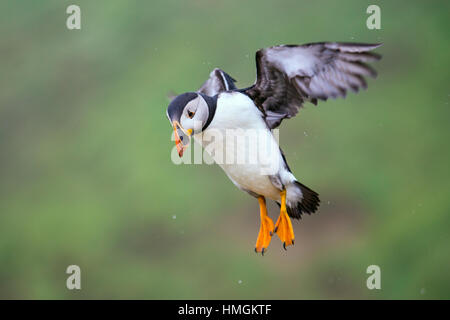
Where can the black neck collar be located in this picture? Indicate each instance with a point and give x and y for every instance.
(212, 106)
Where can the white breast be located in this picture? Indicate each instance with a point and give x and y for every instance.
(240, 142)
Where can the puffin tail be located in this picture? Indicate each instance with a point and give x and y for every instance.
(301, 199)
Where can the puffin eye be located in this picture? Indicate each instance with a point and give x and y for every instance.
(190, 114)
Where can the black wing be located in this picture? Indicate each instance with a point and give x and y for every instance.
(218, 81)
(289, 75)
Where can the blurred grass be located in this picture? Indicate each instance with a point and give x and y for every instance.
(86, 176)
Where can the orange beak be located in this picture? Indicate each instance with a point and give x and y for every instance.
(182, 137)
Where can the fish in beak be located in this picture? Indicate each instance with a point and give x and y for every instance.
(182, 137)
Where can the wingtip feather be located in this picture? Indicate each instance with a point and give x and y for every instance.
(353, 46)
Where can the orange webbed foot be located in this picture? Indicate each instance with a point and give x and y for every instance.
(266, 230)
(283, 226)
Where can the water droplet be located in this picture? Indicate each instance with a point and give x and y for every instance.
(174, 217)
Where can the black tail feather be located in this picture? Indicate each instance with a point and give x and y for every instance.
(309, 203)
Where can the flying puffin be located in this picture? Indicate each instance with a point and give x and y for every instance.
(287, 76)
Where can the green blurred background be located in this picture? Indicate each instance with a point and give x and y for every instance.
(86, 175)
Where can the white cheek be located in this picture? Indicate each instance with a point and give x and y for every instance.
(188, 123)
(197, 124)
(202, 115)
(185, 122)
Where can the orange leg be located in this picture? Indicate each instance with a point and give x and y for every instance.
(283, 226)
(266, 229)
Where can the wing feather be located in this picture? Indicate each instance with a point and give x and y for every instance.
(289, 75)
(218, 81)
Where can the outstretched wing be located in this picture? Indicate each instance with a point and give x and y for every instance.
(218, 81)
(289, 75)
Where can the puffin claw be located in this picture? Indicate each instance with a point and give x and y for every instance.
(284, 245)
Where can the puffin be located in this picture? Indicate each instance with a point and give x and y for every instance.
(287, 77)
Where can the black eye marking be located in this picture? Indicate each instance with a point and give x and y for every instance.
(190, 114)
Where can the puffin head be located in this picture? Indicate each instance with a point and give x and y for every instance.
(189, 113)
